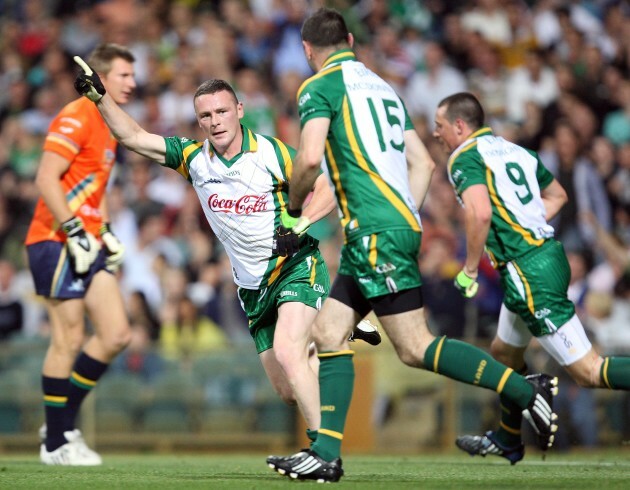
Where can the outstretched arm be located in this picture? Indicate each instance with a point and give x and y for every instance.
(127, 131)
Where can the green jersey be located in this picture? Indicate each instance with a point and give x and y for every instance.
(365, 150)
(514, 177)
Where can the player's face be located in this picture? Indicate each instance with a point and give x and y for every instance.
(445, 131)
(219, 116)
(120, 81)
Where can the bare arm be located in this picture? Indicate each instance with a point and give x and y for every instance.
(308, 160)
(322, 202)
(48, 181)
(478, 215)
(554, 197)
(129, 132)
(420, 166)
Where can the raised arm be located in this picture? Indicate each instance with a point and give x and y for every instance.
(420, 166)
(127, 131)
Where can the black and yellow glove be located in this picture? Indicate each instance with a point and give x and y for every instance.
(88, 82)
(287, 236)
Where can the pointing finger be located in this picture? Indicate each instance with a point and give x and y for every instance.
(86, 68)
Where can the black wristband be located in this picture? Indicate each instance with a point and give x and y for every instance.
(294, 213)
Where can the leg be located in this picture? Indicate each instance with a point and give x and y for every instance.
(509, 348)
(464, 362)
(288, 364)
(67, 331)
(106, 309)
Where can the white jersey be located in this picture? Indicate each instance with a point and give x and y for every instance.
(241, 198)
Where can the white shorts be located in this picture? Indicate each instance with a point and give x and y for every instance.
(566, 345)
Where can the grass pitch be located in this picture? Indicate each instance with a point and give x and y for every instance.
(597, 469)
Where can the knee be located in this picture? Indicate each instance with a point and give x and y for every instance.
(411, 358)
(117, 341)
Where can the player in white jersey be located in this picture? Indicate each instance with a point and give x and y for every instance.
(509, 197)
(241, 179)
(380, 170)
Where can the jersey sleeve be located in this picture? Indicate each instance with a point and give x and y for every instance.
(466, 170)
(67, 134)
(543, 175)
(313, 102)
(179, 153)
(408, 122)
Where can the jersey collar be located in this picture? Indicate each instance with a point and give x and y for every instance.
(470, 142)
(250, 144)
(339, 56)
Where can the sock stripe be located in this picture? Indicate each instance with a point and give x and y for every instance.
(336, 353)
(82, 381)
(604, 373)
(55, 401)
(438, 350)
(331, 433)
(504, 379)
(509, 429)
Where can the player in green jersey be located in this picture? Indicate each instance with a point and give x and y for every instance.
(241, 179)
(508, 198)
(380, 170)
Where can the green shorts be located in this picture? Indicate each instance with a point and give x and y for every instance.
(536, 286)
(306, 281)
(383, 263)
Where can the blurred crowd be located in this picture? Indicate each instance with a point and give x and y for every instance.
(553, 75)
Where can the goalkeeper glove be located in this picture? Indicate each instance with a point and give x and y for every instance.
(466, 285)
(82, 246)
(88, 82)
(287, 236)
(115, 250)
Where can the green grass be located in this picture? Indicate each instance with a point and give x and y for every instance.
(593, 470)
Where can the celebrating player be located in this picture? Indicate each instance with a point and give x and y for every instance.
(380, 171)
(73, 254)
(509, 198)
(242, 179)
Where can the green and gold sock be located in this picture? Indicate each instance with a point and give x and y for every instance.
(87, 371)
(509, 432)
(312, 436)
(336, 382)
(469, 364)
(615, 372)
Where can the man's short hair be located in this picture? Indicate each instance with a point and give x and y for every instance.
(213, 86)
(324, 28)
(104, 54)
(464, 106)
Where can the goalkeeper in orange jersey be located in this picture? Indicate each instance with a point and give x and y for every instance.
(73, 255)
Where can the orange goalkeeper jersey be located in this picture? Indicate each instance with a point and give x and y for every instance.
(79, 134)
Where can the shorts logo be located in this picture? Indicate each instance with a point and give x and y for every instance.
(319, 288)
(288, 293)
(540, 314)
(365, 280)
(77, 286)
(384, 268)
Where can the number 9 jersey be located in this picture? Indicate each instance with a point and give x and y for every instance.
(514, 177)
(365, 150)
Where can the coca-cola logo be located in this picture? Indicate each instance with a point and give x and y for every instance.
(243, 205)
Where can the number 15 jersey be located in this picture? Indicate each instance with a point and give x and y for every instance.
(365, 149)
(514, 177)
